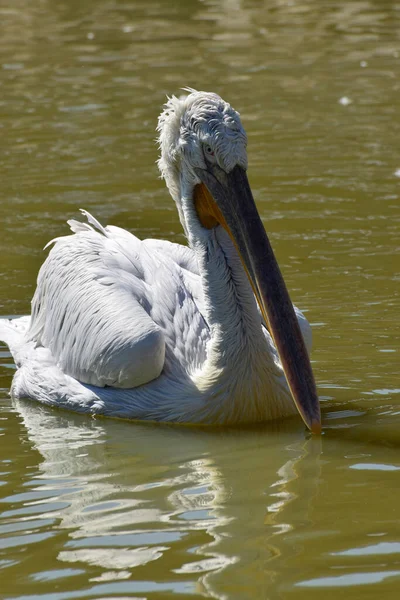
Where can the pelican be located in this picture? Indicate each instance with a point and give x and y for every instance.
(158, 331)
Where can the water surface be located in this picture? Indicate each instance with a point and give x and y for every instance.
(106, 509)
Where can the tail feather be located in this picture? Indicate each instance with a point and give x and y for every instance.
(13, 331)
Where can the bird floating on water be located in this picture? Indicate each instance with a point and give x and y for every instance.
(158, 331)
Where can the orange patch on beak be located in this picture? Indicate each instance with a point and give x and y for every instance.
(207, 209)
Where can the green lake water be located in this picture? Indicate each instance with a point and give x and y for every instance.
(97, 508)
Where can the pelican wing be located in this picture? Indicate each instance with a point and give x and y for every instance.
(106, 305)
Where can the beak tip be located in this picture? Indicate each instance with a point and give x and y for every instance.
(316, 427)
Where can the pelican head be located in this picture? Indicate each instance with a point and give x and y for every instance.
(195, 130)
(204, 161)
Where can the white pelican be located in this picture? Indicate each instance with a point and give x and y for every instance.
(158, 331)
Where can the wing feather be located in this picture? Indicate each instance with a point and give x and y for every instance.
(89, 309)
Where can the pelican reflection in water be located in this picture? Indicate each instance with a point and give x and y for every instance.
(170, 506)
(158, 331)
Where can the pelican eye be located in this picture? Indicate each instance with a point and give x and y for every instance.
(209, 153)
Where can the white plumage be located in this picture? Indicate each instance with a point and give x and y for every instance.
(151, 329)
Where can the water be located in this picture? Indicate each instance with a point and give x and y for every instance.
(106, 509)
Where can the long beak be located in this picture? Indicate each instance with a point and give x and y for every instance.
(230, 203)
